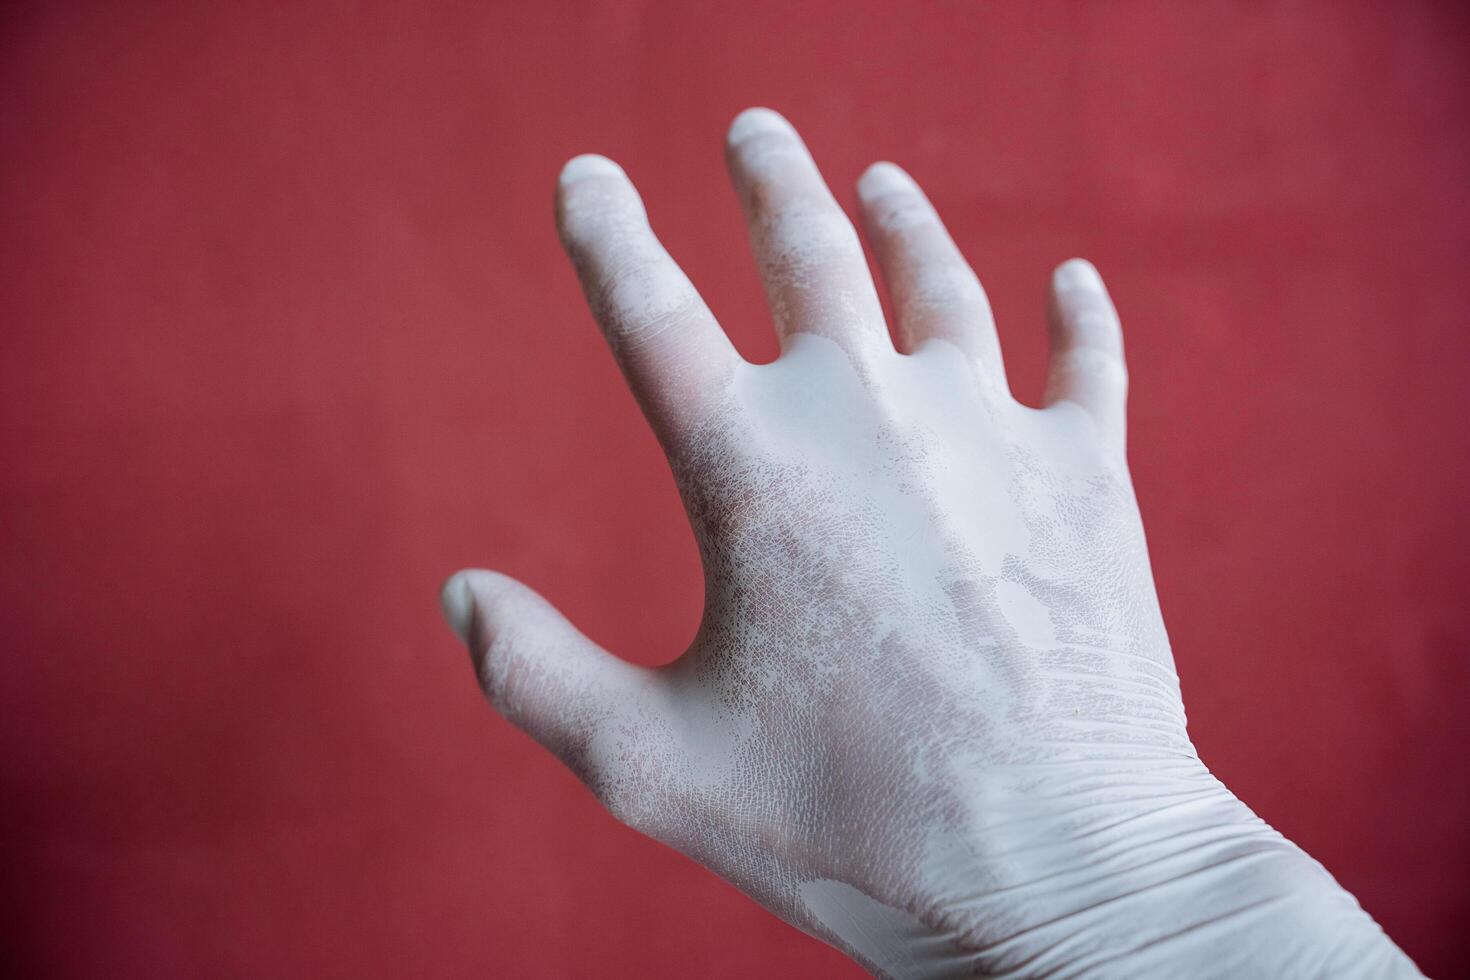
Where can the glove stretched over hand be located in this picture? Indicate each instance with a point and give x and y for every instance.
(931, 715)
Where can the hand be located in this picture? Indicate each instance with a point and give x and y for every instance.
(931, 715)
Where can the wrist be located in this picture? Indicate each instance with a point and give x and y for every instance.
(1187, 883)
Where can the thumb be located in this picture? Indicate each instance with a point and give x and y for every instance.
(540, 672)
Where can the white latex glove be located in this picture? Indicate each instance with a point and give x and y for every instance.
(931, 716)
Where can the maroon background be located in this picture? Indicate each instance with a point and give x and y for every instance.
(287, 337)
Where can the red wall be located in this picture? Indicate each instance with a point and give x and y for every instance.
(286, 336)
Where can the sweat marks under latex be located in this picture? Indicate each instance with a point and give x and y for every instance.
(924, 672)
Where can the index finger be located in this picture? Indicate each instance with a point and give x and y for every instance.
(668, 344)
